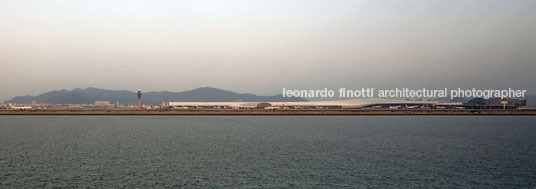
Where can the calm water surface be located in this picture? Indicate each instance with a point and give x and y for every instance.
(353, 152)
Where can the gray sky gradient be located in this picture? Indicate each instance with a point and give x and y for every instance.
(263, 46)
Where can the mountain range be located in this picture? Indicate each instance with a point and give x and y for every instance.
(90, 95)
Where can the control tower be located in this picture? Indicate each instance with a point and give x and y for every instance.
(139, 98)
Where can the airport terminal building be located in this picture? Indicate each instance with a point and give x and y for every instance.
(370, 103)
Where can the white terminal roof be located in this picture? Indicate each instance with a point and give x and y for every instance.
(343, 103)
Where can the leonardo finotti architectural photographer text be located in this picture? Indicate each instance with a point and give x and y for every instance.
(406, 93)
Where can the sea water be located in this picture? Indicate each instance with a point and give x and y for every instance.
(269, 152)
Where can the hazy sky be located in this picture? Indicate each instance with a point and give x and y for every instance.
(262, 46)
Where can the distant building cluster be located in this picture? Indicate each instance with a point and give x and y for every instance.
(96, 105)
(495, 103)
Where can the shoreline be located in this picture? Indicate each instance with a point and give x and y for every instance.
(268, 112)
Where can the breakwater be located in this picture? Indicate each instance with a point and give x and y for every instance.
(268, 112)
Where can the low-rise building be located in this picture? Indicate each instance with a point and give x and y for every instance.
(102, 103)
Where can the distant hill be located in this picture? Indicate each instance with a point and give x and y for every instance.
(89, 95)
(531, 100)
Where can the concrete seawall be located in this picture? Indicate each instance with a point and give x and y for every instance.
(268, 112)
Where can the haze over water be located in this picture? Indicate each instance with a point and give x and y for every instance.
(261, 47)
(161, 151)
